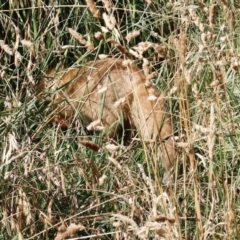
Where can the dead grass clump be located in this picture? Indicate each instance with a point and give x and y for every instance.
(81, 39)
(68, 231)
(6, 48)
(93, 9)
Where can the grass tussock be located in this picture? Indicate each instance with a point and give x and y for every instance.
(52, 187)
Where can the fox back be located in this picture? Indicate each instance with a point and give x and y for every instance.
(114, 93)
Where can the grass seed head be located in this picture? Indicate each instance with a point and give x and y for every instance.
(108, 5)
(93, 9)
(212, 15)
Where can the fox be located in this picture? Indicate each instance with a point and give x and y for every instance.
(114, 94)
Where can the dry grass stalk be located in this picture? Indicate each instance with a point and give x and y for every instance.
(107, 5)
(206, 37)
(184, 116)
(123, 50)
(10, 148)
(120, 48)
(173, 90)
(231, 222)
(146, 71)
(2, 74)
(6, 48)
(99, 35)
(52, 175)
(17, 58)
(104, 29)
(102, 180)
(110, 21)
(68, 231)
(147, 180)
(23, 210)
(235, 63)
(95, 126)
(149, 76)
(182, 45)
(119, 103)
(20, 236)
(63, 185)
(132, 35)
(152, 98)
(56, 19)
(201, 4)
(27, 43)
(196, 19)
(181, 49)
(92, 7)
(135, 54)
(127, 62)
(163, 226)
(148, 1)
(224, 3)
(198, 97)
(212, 15)
(230, 215)
(102, 89)
(211, 135)
(102, 56)
(111, 147)
(17, 39)
(90, 144)
(144, 46)
(116, 163)
(81, 39)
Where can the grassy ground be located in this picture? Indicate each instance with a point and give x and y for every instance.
(53, 188)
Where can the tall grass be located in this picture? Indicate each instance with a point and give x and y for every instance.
(53, 188)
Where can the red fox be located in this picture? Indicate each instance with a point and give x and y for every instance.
(114, 93)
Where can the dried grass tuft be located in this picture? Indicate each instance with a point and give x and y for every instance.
(110, 21)
(120, 48)
(132, 35)
(81, 39)
(68, 231)
(95, 126)
(90, 144)
(212, 15)
(108, 5)
(93, 9)
(6, 48)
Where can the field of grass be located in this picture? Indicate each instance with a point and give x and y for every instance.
(52, 187)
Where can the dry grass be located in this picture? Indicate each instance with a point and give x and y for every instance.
(54, 188)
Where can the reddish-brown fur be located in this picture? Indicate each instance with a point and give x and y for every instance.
(78, 91)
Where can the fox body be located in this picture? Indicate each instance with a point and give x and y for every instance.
(114, 93)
